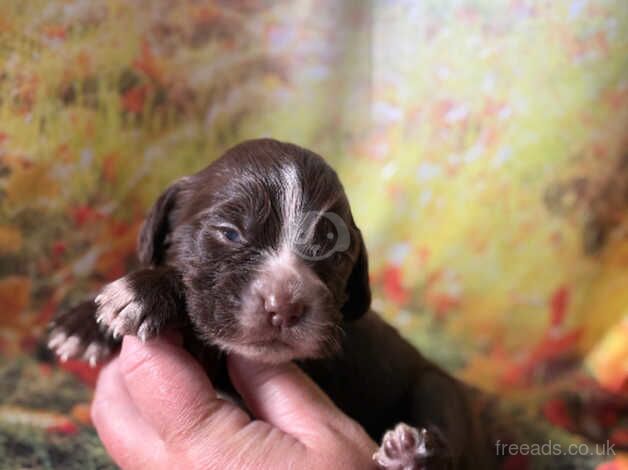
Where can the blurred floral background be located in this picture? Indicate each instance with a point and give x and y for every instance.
(483, 144)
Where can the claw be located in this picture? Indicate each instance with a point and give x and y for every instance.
(56, 339)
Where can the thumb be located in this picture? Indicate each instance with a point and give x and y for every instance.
(283, 396)
(171, 390)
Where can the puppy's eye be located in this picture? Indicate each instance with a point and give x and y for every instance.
(230, 234)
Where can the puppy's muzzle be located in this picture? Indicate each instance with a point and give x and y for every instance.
(285, 292)
(281, 301)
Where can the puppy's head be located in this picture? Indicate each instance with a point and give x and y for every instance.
(268, 250)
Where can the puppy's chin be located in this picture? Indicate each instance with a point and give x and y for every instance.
(266, 353)
(276, 351)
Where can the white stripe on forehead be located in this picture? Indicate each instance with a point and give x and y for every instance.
(291, 205)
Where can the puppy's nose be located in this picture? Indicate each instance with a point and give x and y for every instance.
(283, 312)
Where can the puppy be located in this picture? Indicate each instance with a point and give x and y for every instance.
(258, 254)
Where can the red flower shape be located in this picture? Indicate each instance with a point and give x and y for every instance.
(67, 428)
(134, 99)
(557, 413)
(558, 305)
(393, 287)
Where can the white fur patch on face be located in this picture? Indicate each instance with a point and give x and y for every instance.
(298, 226)
(291, 205)
(285, 263)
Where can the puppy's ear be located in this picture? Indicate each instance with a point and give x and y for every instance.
(358, 287)
(151, 243)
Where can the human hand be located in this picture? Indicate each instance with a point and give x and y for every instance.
(154, 407)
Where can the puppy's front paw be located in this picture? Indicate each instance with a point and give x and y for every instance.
(74, 334)
(140, 303)
(406, 448)
(123, 311)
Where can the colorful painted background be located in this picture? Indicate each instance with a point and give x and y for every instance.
(483, 144)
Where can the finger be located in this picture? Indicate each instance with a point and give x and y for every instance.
(130, 441)
(283, 396)
(172, 392)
